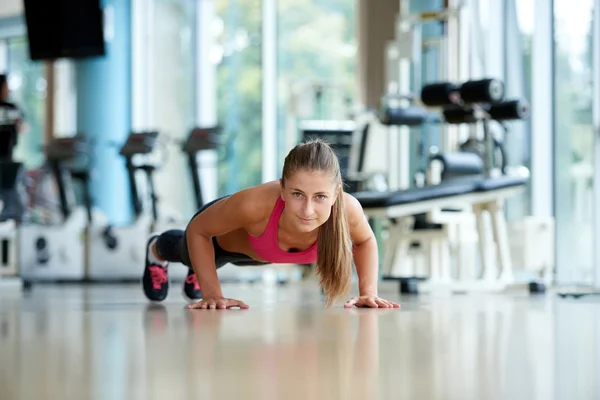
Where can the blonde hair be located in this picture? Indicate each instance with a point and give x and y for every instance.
(334, 263)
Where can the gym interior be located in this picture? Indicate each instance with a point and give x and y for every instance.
(469, 131)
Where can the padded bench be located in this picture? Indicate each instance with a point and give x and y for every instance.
(478, 193)
(440, 191)
(412, 195)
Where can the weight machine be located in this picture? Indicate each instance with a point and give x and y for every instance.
(118, 252)
(459, 182)
(55, 251)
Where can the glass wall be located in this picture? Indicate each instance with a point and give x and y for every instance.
(316, 64)
(164, 94)
(574, 140)
(28, 90)
(517, 138)
(238, 38)
(172, 98)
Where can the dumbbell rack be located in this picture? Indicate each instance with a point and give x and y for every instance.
(472, 102)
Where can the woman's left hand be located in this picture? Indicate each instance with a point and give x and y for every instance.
(370, 302)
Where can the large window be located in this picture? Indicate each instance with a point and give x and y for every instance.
(173, 95)
(316, 64)
(164, 92)
(28, 90)
(517, 139)
(239, 93)
(574, 140)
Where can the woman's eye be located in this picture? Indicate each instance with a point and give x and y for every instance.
(321, 197)
(296, 194)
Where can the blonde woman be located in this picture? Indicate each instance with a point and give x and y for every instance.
(303, 218)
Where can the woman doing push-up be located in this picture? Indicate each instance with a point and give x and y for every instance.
(303, 218)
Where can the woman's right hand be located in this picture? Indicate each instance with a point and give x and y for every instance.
(218, 303)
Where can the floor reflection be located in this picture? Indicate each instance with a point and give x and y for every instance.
(109, 343)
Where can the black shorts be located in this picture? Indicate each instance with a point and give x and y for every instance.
(172, 246)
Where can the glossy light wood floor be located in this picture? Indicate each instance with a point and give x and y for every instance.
(107, 342)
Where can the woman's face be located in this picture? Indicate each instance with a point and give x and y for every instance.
(308, 196)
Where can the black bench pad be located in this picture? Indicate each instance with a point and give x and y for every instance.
(433, 192)
(501, 182)
(413, 195)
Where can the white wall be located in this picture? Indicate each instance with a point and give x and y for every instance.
(3, 60)
(11, 8)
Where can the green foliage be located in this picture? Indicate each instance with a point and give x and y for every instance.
(316, 42)
(573, 99)
(30, 97)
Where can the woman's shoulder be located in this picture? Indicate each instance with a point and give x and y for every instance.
(244, 208)
(258, 200)
(353, 209)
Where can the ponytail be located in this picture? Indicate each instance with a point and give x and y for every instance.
(334, 265)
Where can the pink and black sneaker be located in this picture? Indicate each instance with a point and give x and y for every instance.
(191, 288)
(156, 277)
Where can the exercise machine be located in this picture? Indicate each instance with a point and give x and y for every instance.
(118, 252)
(54, 250)
(461, 186)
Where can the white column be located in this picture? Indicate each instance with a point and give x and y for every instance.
(141, 64)
(494, 53)
(596, 123)
(542, 127)
(206, 94)
(137, 63)
(3, 56)
(269, 90)
(65, 99)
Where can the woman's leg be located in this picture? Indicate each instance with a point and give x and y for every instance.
(169, 246)
(161, 249)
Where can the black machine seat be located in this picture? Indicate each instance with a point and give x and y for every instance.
(413, 195)
(432, 192)
(139, 143)
(202, 139)
(67, 148)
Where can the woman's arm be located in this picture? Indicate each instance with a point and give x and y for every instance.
(366, 257)
(240, 210)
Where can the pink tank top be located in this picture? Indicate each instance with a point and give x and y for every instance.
(267, 246)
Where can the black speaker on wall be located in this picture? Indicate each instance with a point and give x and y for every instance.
(64, 29)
